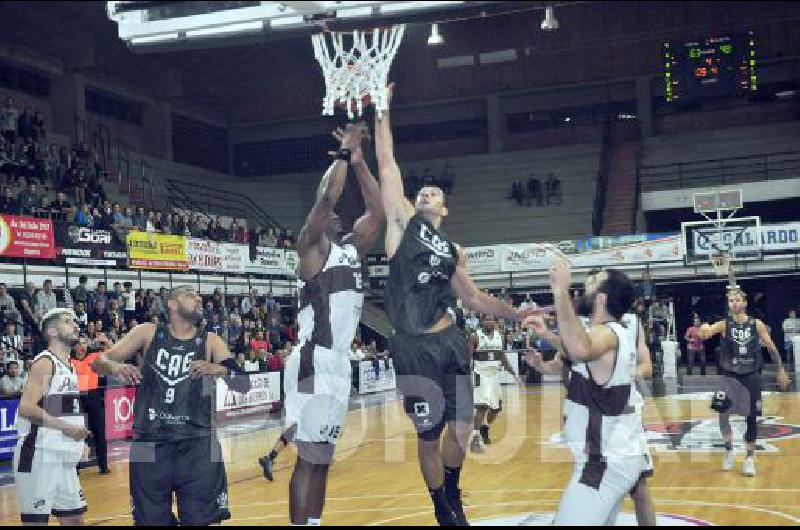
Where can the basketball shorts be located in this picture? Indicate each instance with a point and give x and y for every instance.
(47, 484)
(488, 391)
(434, 375)
(597, 490)
(192, 469)
(744, 392)
(318, 383)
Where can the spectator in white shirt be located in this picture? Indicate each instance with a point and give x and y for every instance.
(12, 383)
(46, 299)
(791, 329)
(11, 342)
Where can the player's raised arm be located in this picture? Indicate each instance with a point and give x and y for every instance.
(368, 227)
(113, 362)
(312, 236)
(397, 208)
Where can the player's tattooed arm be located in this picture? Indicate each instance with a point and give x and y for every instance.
(707, 331)
(763, 334)
(114, 362)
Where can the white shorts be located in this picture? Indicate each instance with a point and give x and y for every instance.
(488, 391)
(596, 491)
(317, 399)
(51, 487)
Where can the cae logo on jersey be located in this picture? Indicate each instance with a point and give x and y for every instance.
(173, 368)
(434, 242)
(741, 335)
(704, 435)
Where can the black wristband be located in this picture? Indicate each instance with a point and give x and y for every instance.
(344, 154)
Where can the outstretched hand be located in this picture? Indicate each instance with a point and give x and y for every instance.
(351, 138)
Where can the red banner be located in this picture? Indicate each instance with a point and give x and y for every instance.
(26, 237)
(119, 413)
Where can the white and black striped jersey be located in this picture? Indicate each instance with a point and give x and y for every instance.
(61, 399)
(604, 421)
(331, 302)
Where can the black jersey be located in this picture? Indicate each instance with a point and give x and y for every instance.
(170, 405)
(419, 291)
(741, 348)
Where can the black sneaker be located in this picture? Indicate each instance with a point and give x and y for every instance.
(446, 517)
(266, 467)
(458, 508)
(485, 435)
(105, 471)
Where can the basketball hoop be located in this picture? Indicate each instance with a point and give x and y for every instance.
(363, 70)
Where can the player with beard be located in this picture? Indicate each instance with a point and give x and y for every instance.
(640, 366)
(52, 430)
(175, 450)
(741, 362)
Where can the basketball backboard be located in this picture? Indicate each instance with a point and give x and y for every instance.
(739, 238)
(717, 201)
(144, 25)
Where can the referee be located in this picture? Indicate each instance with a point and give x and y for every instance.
(93, 400)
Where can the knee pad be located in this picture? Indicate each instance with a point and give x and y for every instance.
(721, 402)
(752, 429)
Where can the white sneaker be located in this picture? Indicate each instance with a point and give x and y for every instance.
(749, 468)
(560, 438)
(729, 461)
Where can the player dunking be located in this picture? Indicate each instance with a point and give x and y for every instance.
(318, 373)
(175, 449)
(489, 358)
(51, 430)
(604, 427)
(741, 362)
(426, 274)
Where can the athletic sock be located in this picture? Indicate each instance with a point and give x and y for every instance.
(440, 502)
(452, 476)
(729, 446)
(314, 522)
(273, 455)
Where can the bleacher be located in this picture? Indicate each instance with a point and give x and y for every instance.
(481, 212)
(724, 156)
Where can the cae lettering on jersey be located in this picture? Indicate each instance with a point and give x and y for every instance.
(174, 368)
(742, 335)
(431, 240)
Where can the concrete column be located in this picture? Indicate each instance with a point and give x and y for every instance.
(68, 101)
(644, 106)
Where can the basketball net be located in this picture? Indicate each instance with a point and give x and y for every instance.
(721, 263)
(363, 70)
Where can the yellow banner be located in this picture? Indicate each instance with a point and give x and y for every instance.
(157, 251)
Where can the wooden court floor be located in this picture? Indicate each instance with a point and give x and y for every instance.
(519, 480)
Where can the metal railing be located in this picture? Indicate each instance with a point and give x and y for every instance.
(218, 201)
(720, 171)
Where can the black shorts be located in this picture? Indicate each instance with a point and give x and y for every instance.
(191, 469)
(744, 392)
(435, 377)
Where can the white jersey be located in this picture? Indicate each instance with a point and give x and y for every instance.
(603, 421)
(331, 302)
(62, 400)
(487, 355)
